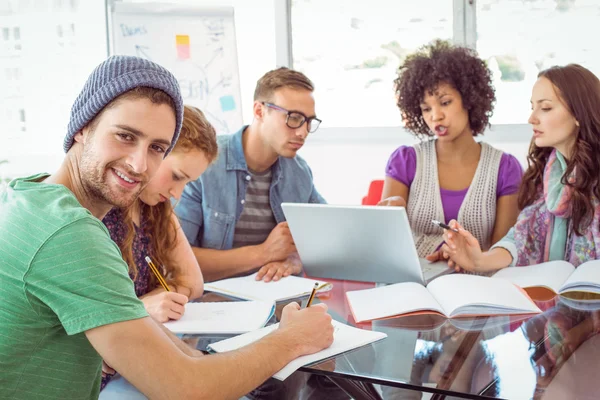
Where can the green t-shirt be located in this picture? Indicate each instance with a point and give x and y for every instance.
(60, 275)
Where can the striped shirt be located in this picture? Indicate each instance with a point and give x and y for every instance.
(60, 275)
(256, 220)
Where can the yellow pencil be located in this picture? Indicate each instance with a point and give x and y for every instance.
(157, 274)
(312, 294)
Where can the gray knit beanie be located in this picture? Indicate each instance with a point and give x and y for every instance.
(112, 78)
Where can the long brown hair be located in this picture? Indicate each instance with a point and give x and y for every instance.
(579, 90)
(196, 134)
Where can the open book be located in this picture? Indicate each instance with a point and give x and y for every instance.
(546, 280)
(345, 338)
(456, 295)
(247, 287)
(233, 317)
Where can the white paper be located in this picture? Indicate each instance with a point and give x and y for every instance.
(345, 338)
(391, 300)
(585, 278)
(247, 287)
(479, 295)
(551, 275)
(233, 317)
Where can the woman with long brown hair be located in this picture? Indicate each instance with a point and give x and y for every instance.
(150, 228)
(560, 194)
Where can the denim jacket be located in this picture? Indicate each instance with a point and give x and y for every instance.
(211, 206)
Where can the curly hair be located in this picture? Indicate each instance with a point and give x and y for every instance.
(579, 90)
(441, 62)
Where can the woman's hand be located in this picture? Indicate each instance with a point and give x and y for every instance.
(462, 249)
(164, 306)
(393, 201)
(436, 256)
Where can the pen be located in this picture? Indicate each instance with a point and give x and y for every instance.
(312, 294)
(157, 274)
(443, 225)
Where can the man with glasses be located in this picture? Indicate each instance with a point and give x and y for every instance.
(232, 214)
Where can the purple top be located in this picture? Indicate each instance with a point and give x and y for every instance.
(141, 248)
(402, 166)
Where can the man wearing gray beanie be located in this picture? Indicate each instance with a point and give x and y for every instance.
(68, 302)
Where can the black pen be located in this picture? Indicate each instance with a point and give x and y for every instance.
(443, 225)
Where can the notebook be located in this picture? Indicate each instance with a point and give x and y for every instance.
(456, 295)
(233, 317)
(546, 280)
(247, 287)
(345, 338)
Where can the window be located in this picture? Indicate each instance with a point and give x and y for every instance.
(521, 38)
(60, 42)
(352, 49)
(40, 80)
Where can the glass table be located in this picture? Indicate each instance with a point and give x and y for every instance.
(553, 355)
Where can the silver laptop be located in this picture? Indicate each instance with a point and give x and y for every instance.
(360, 243)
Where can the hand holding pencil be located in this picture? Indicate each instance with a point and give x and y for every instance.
(163, 305)
(312, 295)
(157, 273)
(309, 329)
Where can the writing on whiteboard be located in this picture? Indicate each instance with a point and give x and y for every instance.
(197, 45)
(133, 30)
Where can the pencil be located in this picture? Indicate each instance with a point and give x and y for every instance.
(157, 274)
(312, 294)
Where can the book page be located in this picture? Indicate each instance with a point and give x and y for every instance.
(479, 295)
(345, 338)
(551, 275)
(391, 300)
(586, 278)
(233, 317)
(247, 287)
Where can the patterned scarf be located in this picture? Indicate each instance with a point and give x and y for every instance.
(535, 230)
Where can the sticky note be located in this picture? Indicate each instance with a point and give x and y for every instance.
(182, 43)
(227, 103)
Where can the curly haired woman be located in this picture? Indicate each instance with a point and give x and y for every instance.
(560, 196)
(446, 98)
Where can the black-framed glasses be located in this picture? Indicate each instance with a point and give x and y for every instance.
(295, 119)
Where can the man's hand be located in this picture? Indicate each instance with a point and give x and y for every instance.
(276, 270)
(394, 201)
(308, 330)
(163, 306)
(279, 245)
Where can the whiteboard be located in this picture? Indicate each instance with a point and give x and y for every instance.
(197, 44)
